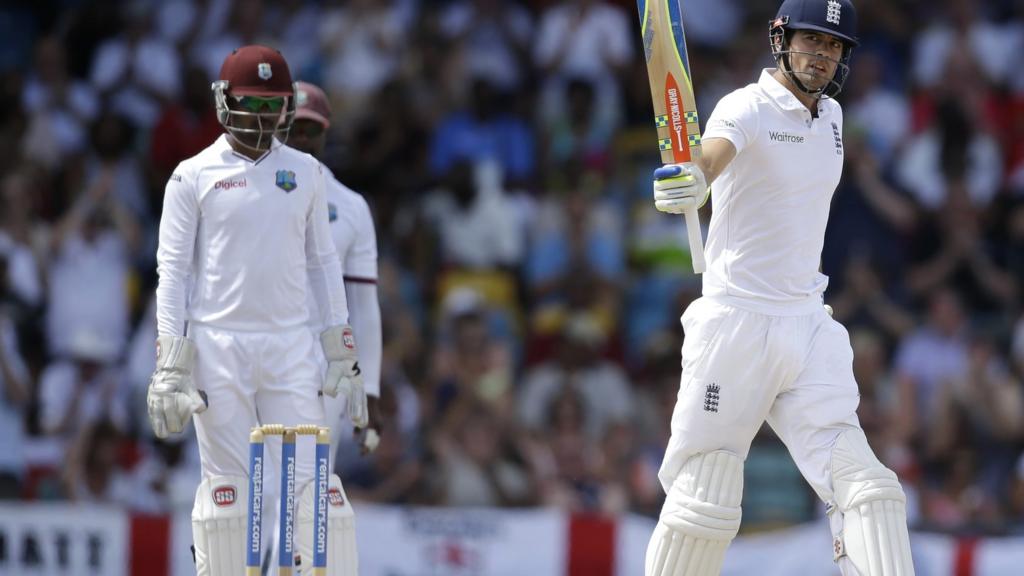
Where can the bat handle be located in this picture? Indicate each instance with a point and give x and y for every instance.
(696, 241)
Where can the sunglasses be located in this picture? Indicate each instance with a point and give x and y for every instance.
(258, 103)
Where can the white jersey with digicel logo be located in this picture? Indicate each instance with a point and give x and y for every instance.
(240, 239)
(771, 203)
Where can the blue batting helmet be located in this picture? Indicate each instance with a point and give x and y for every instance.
(834, 17)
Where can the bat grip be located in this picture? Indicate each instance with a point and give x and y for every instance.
(696, 241)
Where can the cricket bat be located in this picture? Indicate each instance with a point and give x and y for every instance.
(675, 108)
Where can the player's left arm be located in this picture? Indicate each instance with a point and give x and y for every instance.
(325, 279)
(360, 270)
(364, 311)
(322, 263)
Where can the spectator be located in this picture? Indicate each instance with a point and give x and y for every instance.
(713, 23)
(473, 219)
(485, 132)
(863, 300)
(394, 132)
(114, 158)
(568, 478)
(94, 473)
(926, 358)
(138, 71)
(493, 39)
(575, 261)
(15, 392)
(89, 269)
(360, 41)
(601, 385)
(956, 501)
(955, 248)
(65, 105)
(982, 409)
(185, 127)
(587, 39)
(616, 468)
(953, 151)
(580, 135)
(394, 472)
(1017, 348)
(225, 26)
(571, 230)
(1016, 495)
(878, 402)
(475, 467)
(20, 283)
(882, 113)
(472, 367)
(963, 24)
(83, 389)
(296, 22)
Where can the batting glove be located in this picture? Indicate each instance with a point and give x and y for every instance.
(679, 187)
(172, 398)
(343, 374)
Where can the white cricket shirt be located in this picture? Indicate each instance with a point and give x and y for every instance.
(355, 238)
(352, 229)
(772, 201)
(240, 238)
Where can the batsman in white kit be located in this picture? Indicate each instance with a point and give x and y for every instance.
(244, 234)
(759, 344)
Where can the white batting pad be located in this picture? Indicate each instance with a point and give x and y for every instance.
(700, 518)
(873, 532)
(218, 525)
(342, 557)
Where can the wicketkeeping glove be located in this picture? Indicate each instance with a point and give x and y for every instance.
(343, 372)
(172, 398)
(679, 187)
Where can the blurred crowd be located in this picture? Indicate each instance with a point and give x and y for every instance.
(530, 291)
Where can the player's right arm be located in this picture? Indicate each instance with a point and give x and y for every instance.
(716, 154)
(179, 223)
(172, 398)
(680, 187)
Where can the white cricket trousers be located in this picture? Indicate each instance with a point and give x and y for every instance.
(254, 378)
(741, 368)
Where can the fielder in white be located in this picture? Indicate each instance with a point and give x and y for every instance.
(355, 240)
(759, 345)
(244, 234)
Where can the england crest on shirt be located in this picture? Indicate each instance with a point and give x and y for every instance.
(286, 180)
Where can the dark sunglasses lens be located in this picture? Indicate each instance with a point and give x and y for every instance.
(258, 103)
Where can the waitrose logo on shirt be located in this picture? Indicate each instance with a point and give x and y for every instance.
(785, 137)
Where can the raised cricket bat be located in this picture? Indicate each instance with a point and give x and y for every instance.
(675, 108)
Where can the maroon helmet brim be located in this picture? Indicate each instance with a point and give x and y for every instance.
(256, 92)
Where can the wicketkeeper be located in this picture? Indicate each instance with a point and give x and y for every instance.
(244, 225)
